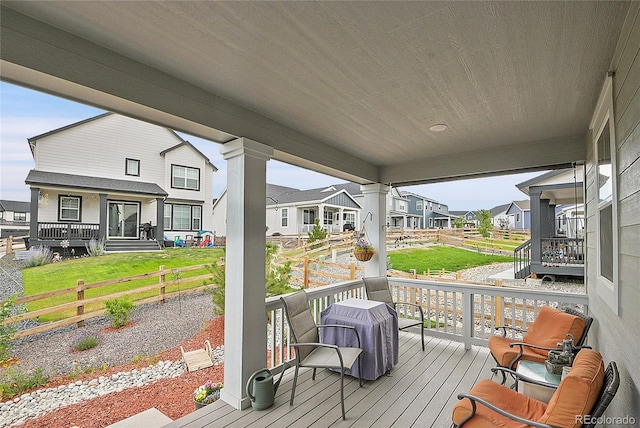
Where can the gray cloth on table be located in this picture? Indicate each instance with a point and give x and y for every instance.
(377, 325)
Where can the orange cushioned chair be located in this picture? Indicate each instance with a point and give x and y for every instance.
(582, 396)
(550, 327)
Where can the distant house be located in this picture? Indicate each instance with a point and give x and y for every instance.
(293, 211)
(117, 178)
(426, 213)
(500, 219)
(520, 213)
(469, 217)
(14, 218)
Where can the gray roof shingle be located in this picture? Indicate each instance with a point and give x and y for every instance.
(84, 182)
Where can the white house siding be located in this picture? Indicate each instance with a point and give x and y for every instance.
(98, 148)
(617, 337)
(219, 215)
(48, 205)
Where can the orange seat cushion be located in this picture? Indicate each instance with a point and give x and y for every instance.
(578, 391)
(551, 327)
(502, 397)
(503, 354)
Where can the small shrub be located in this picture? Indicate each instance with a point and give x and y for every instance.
(118, 311)
(95, 247)
(7, 309)
(86, 341)
(16, 382)
(40, 256)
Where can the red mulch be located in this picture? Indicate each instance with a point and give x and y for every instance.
(173, 397)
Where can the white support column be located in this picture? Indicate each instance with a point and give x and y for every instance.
(245, 334)
(375, 202)
(341, 219)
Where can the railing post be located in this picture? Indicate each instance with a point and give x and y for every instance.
(80, 297)
(498, 309)
(163, 288)
(352, 270)
(306, 272)
(467, 318)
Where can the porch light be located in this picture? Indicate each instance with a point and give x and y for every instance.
(439, 127)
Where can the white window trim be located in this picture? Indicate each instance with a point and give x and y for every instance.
(284, 217)
(607, 290)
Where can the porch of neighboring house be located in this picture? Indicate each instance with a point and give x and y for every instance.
(423, 386)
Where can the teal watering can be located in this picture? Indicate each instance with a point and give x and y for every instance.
(261, 389)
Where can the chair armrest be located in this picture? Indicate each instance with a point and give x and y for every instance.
(528, 345)
(520, 376)
(496, 409)
(348, 327)
(412, 304)
(505, 327)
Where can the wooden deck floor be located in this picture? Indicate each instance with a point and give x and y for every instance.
(420, 392)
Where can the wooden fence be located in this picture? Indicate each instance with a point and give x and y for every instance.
(81, 302)
(12, 244)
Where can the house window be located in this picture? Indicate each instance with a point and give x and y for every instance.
(132, 167)
(182, 217)
(603, 130)
(430, 223)
(183, 177)
(309, 217)
(517, 217)
(196, 211)
(401, 206)
(419, 205)
(328, 217)
(69, 208)
(20, 216)
(284, 217)
(431, 206)
(167, 216)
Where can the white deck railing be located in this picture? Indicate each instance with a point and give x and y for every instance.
(459, 312)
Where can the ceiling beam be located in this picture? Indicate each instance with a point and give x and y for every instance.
(539, 155)
(42, 57)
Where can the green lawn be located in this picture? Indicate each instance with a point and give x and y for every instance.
(441, 257)
(65, 274)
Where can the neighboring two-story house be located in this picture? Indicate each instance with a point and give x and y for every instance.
(500, 219)
(426, 213)
(120, 179)
(14, 218)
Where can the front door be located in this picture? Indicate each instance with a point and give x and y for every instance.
(124, 219)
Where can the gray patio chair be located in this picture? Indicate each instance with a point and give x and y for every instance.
(309, 351)
(378, 289)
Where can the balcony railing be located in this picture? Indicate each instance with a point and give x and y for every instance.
(460, 312)
(69, 231)
(562, 251)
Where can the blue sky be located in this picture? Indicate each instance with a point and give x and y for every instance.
(25, 113)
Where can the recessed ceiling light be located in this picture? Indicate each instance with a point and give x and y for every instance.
(439, 127)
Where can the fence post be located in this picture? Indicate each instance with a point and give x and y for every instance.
(306, 272)
(352, 270)
(162, 287)
(80, 297)
(497, 316)
(9, 249)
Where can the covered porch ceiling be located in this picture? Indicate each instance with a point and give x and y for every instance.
(349, 89)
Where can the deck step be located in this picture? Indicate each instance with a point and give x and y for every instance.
(113, 246)
(149, 418)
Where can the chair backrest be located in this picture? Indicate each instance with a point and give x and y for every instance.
(551, 327)
(579, 341)
(301, 322)
(609, 389)
(378, 289)
(579, 391)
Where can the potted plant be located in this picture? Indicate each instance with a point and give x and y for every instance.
(363, 250)
(207, 393)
